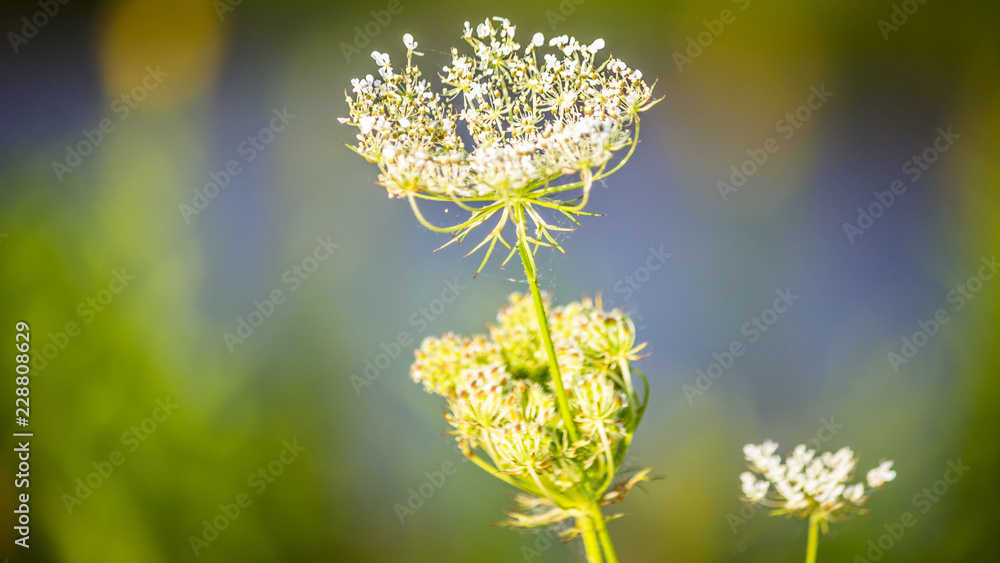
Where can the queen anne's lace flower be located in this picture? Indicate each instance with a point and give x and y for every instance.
(501, 401)
(528, 124)
(511, 132)
(806, 484)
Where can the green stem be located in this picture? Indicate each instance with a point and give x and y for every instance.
(813, 539)
(528, 260)
(590, 541)
(602, 533)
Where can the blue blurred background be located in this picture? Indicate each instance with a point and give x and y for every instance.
(238, 349)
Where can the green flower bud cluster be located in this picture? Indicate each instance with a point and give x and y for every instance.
(501, 401)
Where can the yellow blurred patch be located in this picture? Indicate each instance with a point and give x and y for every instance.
(163, 52)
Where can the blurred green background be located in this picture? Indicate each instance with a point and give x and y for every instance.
(130, 295)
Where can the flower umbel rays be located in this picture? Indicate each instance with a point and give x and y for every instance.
(503, 413)
(536, 125)
(809, 485)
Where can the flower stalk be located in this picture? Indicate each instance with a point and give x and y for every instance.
(528, 260)
(591, 543)
(813, 544)
(602, 533)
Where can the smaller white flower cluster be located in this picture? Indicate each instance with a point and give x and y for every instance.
(807, 484)
(529, 123)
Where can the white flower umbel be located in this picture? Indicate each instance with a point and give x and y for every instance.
(809, 485)
(532, 130)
